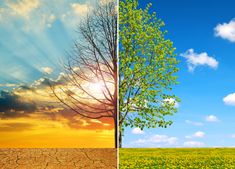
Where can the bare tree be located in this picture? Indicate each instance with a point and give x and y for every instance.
(91, 70)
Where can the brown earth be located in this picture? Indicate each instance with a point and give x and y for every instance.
(58, 158)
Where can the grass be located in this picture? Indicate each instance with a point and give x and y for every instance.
(177, 158)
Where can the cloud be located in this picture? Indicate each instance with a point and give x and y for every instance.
(172, 101)
(194, 123)
(42, 84)
(137, 131)
(212, 118)
(23, 8)
(36, 100)
(74, 121)
(95, 121)
(104, 2)
(50, 20)
(156, 141)
(193, 144)
(38, 15)
(30, 15)
(53, 112)
(229, 99)
(8, 127)
(198, 134)
(12, 105)
(232, 136)
(80, 9)
(47, 70)
(8, 85)
(226, 30)
(199, 59)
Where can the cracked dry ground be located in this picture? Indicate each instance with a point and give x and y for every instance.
(58, 158)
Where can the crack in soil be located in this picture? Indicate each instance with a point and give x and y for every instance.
(58, 158)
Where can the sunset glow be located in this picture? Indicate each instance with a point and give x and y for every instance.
(31, 57)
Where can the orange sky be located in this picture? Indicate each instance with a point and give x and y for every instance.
(23, 132)
(40, 121)
(33, 132)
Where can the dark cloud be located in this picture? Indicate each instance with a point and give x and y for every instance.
(25, 87)
(11, 105)
(43, 83)
(38, 84)
(46, 82)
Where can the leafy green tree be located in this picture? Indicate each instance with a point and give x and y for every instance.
(147, 67)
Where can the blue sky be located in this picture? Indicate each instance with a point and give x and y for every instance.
(36, 34)
(204, 34)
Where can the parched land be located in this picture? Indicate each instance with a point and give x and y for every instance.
(58, 158)
(182, 158)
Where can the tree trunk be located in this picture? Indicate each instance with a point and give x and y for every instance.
(115, 102)
(115, 132)
(115, 113)
(120, 138)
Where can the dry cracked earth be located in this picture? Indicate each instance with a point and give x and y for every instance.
(58, 158)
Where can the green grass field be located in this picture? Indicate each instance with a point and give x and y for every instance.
(177, 158)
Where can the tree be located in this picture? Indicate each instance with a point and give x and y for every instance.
(91, 70)
(147, 65)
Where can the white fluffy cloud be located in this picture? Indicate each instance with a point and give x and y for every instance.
(137, 131)
(193, 144)
(198, 134)
(226, 30)
(194, 123)
(199, 59)
(156, 141)
(212, 118)
(229, 99)
(47, 70)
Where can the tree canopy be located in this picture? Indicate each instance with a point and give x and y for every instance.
(147, 67)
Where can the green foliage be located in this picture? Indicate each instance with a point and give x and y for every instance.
(147, 67)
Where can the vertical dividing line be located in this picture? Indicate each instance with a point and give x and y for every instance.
(118, 83)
